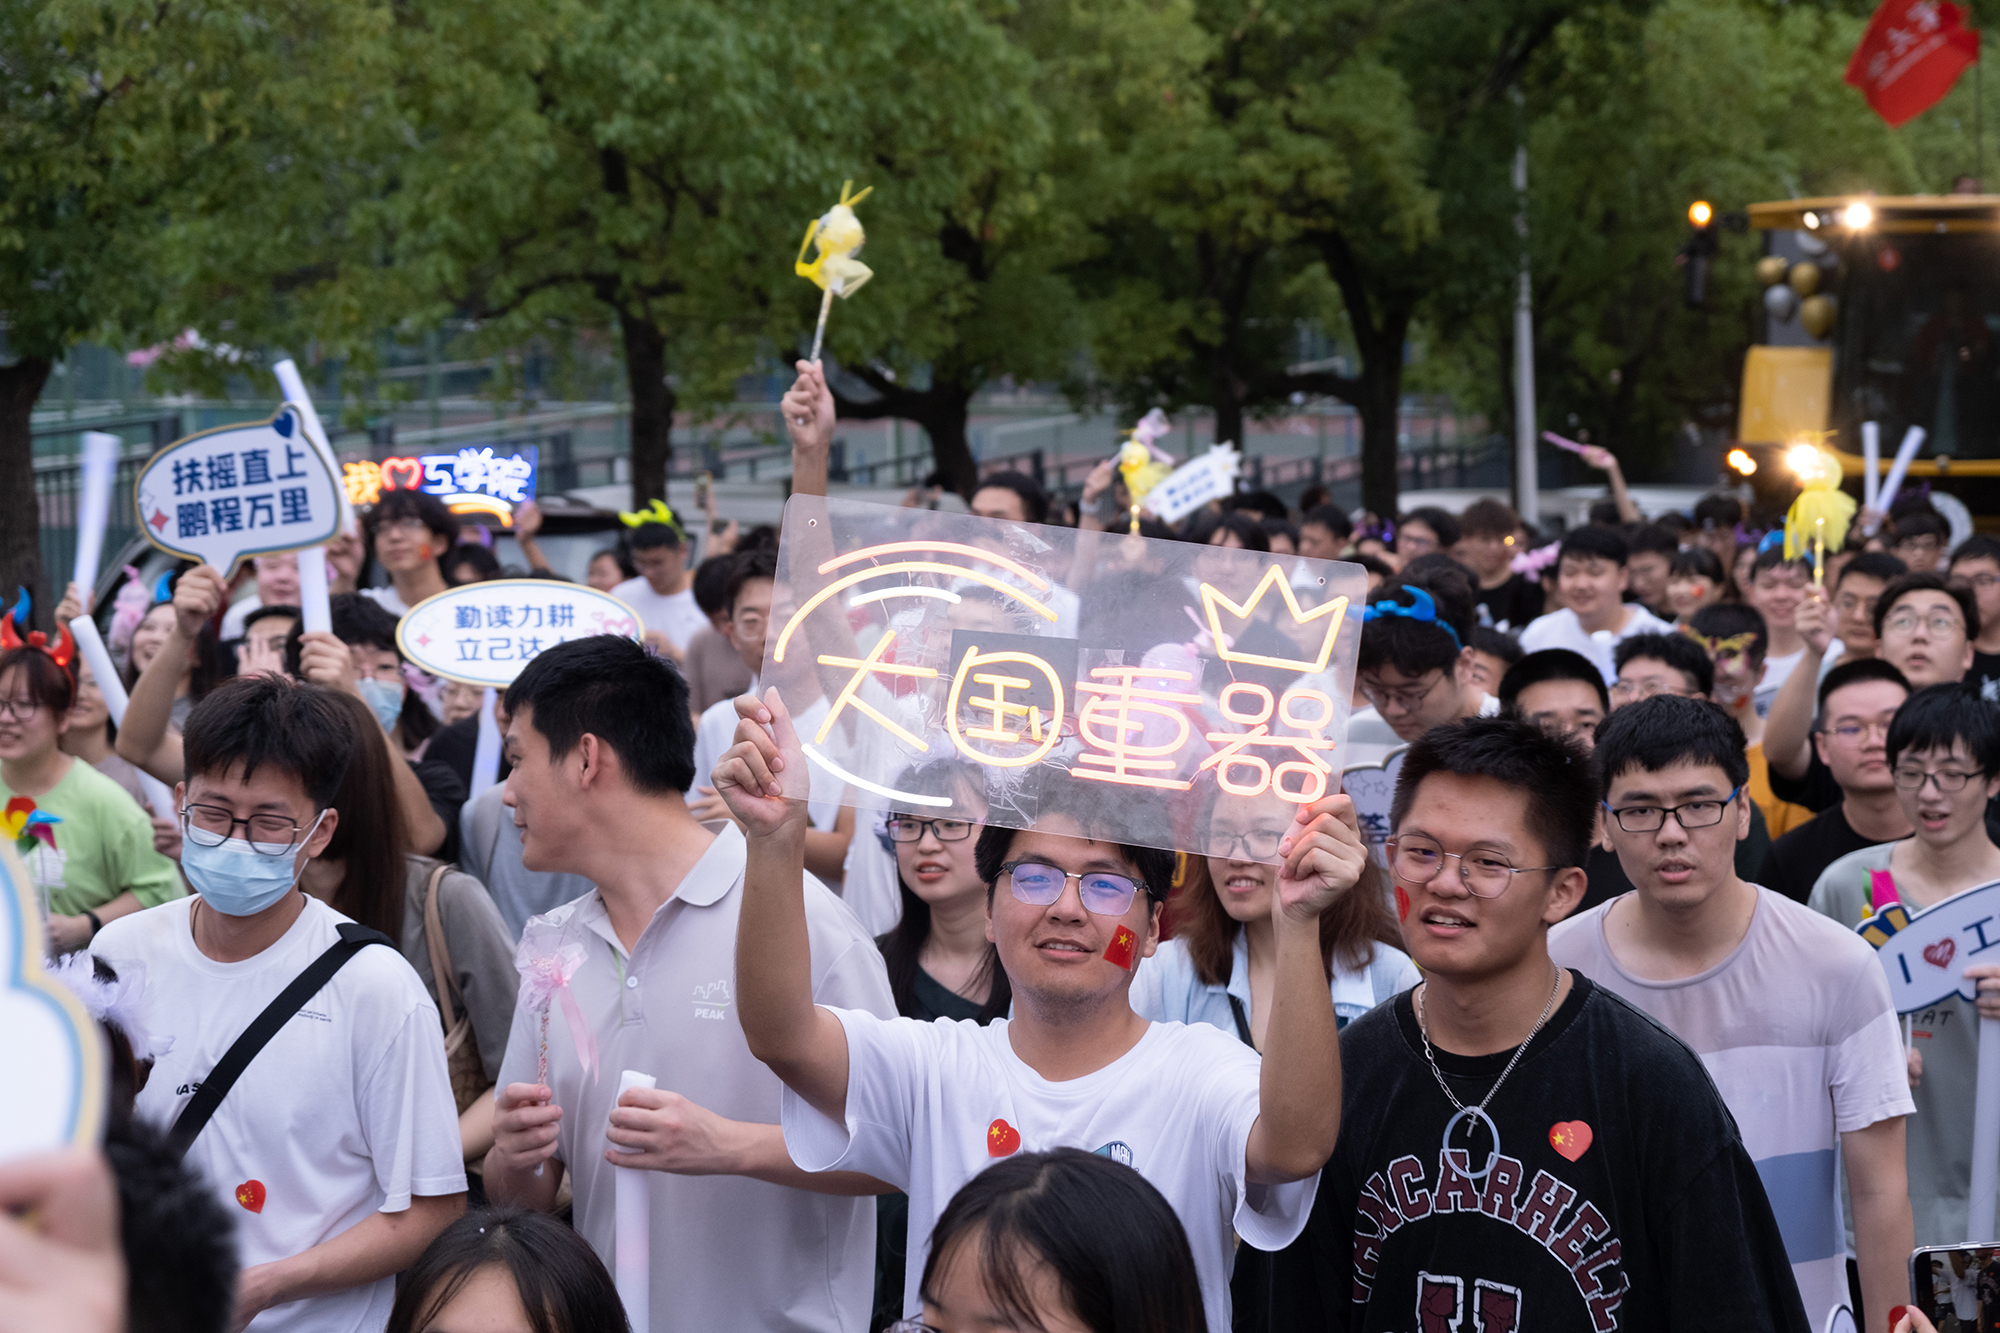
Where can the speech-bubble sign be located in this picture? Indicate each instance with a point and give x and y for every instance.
(484, 633)
(1925, 954)
(1149, 688)
(1370, 782)
(57, 1062)
(224, 495)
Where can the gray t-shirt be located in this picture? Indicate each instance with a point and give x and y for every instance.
(1938, 1138)
(478, 946)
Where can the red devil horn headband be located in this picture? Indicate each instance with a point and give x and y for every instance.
(64, 651)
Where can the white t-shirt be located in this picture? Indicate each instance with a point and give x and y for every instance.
(716, 732)
(1777, 670)
(346, 1112)
(674, 615)
(1796, 1028)
(931, 1105)
(388, 599)
(1562, 629)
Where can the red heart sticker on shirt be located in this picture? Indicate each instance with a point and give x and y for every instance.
(1002, 1139)
(251, 1195)
(1939, 955)
(1571, 1138)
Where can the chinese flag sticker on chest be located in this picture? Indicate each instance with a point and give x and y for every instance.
(1002, 1139)
(251, 1195)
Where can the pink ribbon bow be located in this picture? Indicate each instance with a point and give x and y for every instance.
(546, 965)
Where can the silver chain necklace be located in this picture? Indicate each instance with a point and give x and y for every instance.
(1477, 1114)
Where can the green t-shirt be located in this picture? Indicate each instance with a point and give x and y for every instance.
(104, 846)
(1938, 1142)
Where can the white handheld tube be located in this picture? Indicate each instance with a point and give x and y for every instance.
(1871, 457)
(315, 611)
(1906, 453)
(632, 1228)
(93, 506)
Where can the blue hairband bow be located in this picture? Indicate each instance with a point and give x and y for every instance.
(1420, 609)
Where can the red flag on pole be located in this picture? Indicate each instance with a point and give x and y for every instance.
(1912, 53)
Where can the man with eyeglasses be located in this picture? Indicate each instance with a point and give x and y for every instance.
(1789, 1012)
(1518, 1148)
(1944, 750)
(1850, 737)
(1416, 667)
(1976, 564)
(925, 1106)
(337, 1149)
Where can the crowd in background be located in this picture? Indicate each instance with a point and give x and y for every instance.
(1859, 746)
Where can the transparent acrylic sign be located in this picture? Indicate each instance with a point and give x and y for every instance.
(993, 671)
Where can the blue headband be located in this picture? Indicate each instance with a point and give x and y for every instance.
(1420, 609)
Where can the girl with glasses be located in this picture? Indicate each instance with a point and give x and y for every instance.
(1944, 754)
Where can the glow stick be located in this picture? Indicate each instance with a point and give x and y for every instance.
(93, 507)
(294, 388)
(486, 756)
(1913, 440)
(1871, 457)
(1560, 443)
(315, 611)
(632, 1242)
(95, 655)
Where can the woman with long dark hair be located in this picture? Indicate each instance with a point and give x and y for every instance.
(1221, 965)
(369, 873)
(506, 1270)
(1058, 1240)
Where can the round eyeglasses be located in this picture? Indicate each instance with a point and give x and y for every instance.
(1417, 860)
(907, 828)
(1256, 845)
(1039, 884)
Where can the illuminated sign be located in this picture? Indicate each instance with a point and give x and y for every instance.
(224, 495)
(1152, 686)
(471, 481)
(484, 633)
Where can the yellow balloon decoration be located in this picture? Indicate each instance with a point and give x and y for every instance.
(1804, 278)
(1819, 517)
(1816, 314)
(1141, 463)
(1770, 270)
(838, 234)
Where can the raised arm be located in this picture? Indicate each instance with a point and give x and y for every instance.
(325, 660)
(809, 416)
(528, 522)
(1298, 1116)
(763, 777)
(1606, 461)
(1788, 726)
(146, 738)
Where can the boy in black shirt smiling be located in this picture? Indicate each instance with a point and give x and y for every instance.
(1520, 1149)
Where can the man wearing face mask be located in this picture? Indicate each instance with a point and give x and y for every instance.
(337, 1146)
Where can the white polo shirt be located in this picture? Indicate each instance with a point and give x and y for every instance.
(727, 1252)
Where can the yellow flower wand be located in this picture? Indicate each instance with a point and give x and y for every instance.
(1822, 511)
(834, 269)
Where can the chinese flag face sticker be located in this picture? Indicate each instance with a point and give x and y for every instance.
(1124, 944)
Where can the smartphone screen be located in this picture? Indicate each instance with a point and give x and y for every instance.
(1957, 1287)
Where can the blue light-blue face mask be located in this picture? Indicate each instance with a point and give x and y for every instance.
(236, 879)
(385, 699)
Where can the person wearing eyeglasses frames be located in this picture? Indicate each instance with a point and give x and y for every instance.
(339, 1145)
(1944, 752)
(1975, 563)
(923, 1106)
(90, 852)
(1858, 702)
(1416, 668)
(1789, 1011)
(1518, 1148)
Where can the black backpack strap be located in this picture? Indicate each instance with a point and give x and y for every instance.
(354, 937)
(1242, 1021)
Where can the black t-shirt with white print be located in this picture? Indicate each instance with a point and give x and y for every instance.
(1623, 1198)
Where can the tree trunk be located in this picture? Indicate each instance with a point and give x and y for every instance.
(20, 517)
(1229, 417)
(1379, 410)
(943, 418)
(652, 407)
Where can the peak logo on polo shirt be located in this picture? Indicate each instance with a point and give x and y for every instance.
(712, 1001)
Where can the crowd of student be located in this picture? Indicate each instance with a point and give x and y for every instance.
(1588, 1040)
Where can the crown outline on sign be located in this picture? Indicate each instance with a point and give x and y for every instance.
(1334, 611)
